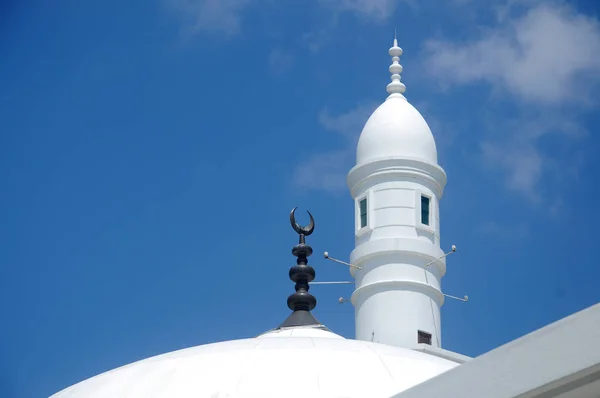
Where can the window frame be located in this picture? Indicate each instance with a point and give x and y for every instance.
(429, 201)
(369, 200)
(364, 201)
(432, 227)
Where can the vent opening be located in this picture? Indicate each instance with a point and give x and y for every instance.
(424, 337)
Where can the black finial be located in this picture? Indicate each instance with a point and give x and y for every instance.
(301, 302)
(302, 231)
(302, 273)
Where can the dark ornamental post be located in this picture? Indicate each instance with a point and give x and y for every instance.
(302, 273)
(301, 302)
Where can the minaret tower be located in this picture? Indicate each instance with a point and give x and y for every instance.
(396, 185)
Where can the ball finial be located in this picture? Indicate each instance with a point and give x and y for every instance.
(396, 87)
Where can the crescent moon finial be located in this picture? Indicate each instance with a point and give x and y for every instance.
(299, 229)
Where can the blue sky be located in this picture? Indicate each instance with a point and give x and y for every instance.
(151, 152)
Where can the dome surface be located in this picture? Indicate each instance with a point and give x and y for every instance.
(396, 129)
(297, 362)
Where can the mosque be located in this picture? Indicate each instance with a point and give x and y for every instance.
(397, 266)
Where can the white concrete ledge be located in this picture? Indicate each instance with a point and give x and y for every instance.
(559, 360)
(392, 167)
(441, 353)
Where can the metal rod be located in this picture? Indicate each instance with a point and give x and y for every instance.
(445, 255)
(341, 262)
(466, 298)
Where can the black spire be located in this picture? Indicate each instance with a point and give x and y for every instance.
(301, 302)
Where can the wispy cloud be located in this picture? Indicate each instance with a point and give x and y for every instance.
(521, 162)
(225, 16)
(347, 124)
(218, 16)
(513, 146)
(377, 10)
(315, 40)
(326, 171)
(545, 56)
(280, 61)
(370, 11)
(542, 57)
(505, 230)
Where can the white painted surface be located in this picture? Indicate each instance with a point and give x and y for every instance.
(274, 365)
(301, 331)
(442, 353)
(561, 360)
(396, 128)
(396, 163)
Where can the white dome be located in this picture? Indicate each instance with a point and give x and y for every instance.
(396, 129)
(297, 362)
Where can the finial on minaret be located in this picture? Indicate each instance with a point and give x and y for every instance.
(301, 302)
(396, 87)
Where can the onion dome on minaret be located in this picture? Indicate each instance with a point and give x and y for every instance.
(396, 128)
(301, 302)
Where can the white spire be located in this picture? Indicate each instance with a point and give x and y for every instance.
(396, 87)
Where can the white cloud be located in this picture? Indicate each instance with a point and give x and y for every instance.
(280, 61)
(327, 171)
(545, 56)
(376, 9)
(219, 16)
(544, 59)
(324, 171)
(521, 162)
(518, 148)
(348, 124)
(513, 146)
(505, 230)
(225, 16)
(316, 40)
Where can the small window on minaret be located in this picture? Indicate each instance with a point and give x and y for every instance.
(425, 204)
(363, 212)
(424, 337)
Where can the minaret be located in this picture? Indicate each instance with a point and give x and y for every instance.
(396, 185)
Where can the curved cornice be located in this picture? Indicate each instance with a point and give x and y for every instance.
(383, 247)
(394, 167)
(395, 283)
